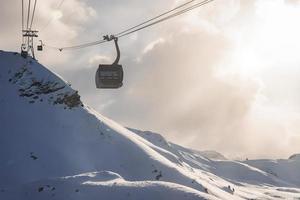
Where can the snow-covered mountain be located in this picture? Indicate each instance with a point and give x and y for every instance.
(53, 146)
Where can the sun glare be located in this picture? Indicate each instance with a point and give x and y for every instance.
(271, 39)
(57, 14)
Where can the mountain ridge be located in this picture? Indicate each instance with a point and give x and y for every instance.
(51, 139)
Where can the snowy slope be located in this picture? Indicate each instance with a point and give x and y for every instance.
(158, 140)
(295, 157)
(283, 168)
(273, 172)
(235, 172)
(52, 146)
(106, 185)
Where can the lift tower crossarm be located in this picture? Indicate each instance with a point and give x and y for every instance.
(29, 34)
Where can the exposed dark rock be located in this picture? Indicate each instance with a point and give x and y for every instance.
(18, 75)
(206, 190)
(30, 87)
(70, 100)
(159, 176)
(33, 156)
(40, 189)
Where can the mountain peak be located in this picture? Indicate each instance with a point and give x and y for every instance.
(34, 83)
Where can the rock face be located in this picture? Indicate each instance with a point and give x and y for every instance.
(34, 88)
(70, 100)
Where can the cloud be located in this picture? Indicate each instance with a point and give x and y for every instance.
(178, 88)
(99, 59)
(150, 46)
(210, 79)
(183, 97)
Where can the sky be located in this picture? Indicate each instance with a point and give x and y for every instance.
(223, 77)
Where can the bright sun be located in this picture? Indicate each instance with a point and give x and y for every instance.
(271, 40)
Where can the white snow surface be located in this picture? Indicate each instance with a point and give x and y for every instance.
(53, 146)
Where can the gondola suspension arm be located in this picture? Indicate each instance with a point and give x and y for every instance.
(115, 39)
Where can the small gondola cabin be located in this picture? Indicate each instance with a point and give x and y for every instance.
(110, 76)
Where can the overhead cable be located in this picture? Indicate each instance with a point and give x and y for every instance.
(28, 14)
(33, 12)
(146, 24)
(156, 17)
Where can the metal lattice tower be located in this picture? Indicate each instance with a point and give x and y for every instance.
(28, 45)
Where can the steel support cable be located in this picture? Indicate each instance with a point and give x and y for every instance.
(77, 46)
(168, 17)
(33, 12)
(202, 3)
(129, 29)
(83, 45)
(154, 18)
(28, 14)
(22, 21)
(22, 15)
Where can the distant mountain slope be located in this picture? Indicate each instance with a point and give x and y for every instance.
(287, 170)
(236, 171)
(295, 157)
(158, 140)
(53, 146)
(213, 155)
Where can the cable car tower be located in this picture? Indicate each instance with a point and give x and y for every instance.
(28, 34)
(28, 37)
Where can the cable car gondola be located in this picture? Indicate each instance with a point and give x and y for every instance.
(110, 76)
(40, 47)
